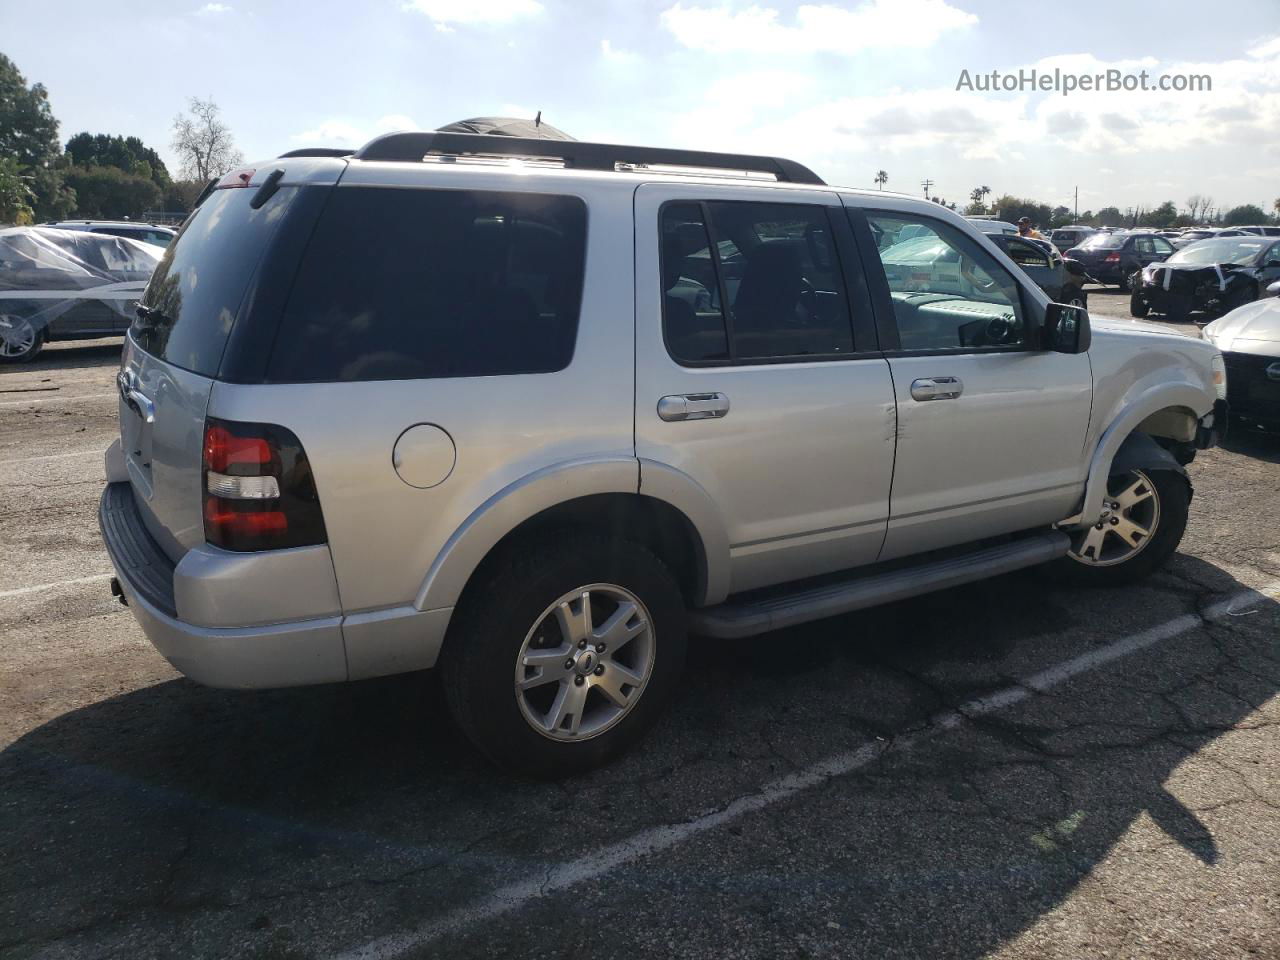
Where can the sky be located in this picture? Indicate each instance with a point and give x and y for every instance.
(847, 88)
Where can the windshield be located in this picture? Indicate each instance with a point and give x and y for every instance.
(919, 250)
(1241, 251)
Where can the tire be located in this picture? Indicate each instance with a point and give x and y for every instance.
(1171, 493)
(1137, 306)
(20, 342)
(1238, 298)
(508, 617)
(1125, 285)
(1075, 297)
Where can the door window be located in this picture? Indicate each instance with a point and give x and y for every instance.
(947, 292)
(1027, 254)
(1162, 246)
(750, 282)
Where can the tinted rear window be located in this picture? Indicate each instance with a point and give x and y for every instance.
(195, 293)
(412, 284)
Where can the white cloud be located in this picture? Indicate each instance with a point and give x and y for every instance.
(446, 14)
(822, 28)
(214, 9)
(612, 54)
(338, 132)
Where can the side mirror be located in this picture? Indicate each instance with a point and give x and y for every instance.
(1066, 329)
(1274, 288)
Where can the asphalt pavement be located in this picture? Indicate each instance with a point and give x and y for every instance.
(1012, 769)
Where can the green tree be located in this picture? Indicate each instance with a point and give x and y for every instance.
(15, 194)
(1246, 213)
(1109, 217)
(125, 153)
(1060, 216)
(109, 193)
(29, 135)
(1014, 208)
(881, 179)
(1162, 216)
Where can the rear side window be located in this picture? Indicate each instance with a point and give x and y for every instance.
(746, 282)
(403, 284)
(195, 292)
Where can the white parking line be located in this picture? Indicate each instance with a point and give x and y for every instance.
(84, 396)
(656, 839)
(23, 591)
(98, 451)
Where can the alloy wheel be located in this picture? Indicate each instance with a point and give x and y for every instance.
(1131, 513)
(17, 336)
(584, 664)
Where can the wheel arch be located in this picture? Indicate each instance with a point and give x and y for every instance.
(603, 496)
(1166, 410)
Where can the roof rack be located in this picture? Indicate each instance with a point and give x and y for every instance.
(576, 154)
(317, 152)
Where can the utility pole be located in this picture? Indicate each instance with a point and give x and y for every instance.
(1077, 204)
(926, 184)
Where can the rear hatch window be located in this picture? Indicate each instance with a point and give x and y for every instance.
(190, 306)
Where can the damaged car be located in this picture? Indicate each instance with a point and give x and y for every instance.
(1249, 338)
(1213, 276)
(67, 285)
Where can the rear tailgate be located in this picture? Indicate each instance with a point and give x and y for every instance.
(218, 280)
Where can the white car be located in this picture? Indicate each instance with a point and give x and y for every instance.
(1249, 338)
(152, 233)
(992, 226)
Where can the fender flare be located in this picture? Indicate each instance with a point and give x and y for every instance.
(1117, 434)
(511, 506)
(564, 482)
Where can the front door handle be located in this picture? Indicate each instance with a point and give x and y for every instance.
(936, 388)
(693, 406)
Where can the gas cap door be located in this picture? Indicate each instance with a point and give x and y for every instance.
(424, 456)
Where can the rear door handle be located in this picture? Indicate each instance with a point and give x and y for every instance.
(936, 388)
(693, 406)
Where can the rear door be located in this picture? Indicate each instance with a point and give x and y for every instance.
(758, 375)
(211, 274)
(990, 429)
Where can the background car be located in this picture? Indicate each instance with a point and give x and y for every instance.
(1249, 338)
(993, 226)
(1115, 257)
(1216, 276)
(152, 233)
(1262, 231)
(1063, 280)
(67, 285)
(1064, 238)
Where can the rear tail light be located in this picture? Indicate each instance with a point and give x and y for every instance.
(259, 493)
(1111, 258)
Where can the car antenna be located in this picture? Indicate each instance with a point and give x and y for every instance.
(537, 121)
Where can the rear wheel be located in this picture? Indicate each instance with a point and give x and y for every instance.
(1075, 297)
(20, 341)
(1125, 281)
(1144, 517)
(1138, 307)
(565, 654)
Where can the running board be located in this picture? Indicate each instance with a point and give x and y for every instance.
(732, 620)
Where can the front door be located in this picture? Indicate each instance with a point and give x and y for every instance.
(758, 376)
(990, 430)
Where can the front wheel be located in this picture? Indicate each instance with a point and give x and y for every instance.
(1138, 307)
(1126, 282)
(1144, 517)
(564, 654)
(1075, 297)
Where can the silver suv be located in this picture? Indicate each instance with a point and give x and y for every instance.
(533, 411)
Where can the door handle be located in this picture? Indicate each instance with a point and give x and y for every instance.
(936, 388)
(693, 406)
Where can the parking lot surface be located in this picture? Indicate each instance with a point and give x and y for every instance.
(1010, 769)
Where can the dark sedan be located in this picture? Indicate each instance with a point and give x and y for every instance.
(1063, 280)
(1215, 276)
(1115, 257)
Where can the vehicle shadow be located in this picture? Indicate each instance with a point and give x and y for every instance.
(1248, 442)
(68, 354)
(293, 822)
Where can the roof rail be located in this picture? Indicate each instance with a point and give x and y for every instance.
(573, 153)
(317, 152)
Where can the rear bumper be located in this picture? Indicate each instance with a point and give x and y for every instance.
(287, 653)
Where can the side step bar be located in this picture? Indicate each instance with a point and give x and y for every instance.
(732, 620)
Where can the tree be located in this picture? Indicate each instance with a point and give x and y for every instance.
(1060, 216)
(1162, 216)
(108, 193)
(976, 205)
(125, 153)
(15, 194)
(1198, 206)
(29, 135)
(1109, 217)
(1014, 208)
(1246, 213)
(881, 179)
(203, 142)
